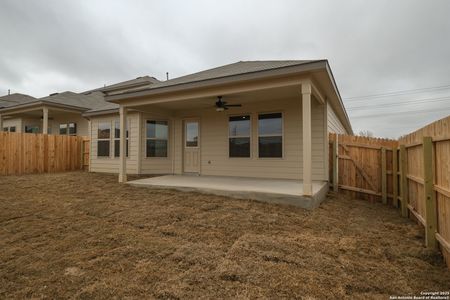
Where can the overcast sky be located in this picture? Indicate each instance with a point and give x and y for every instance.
(374, 47)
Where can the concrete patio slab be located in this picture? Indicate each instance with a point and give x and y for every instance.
(267, 190)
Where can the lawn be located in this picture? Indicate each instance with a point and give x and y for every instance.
(83, 235)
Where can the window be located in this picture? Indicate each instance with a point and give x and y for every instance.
(191, 134)
(239, 136)
(117, 139)
(157, 136)
(72, 128)
(10, 129)
(270, 135)
(62, 128)
(31, 129)
(103, 139)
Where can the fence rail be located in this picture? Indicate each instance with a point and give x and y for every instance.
(27, 153)
(412, 174)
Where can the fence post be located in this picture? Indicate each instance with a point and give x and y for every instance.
(430, 196)
(383, 176)
(335, 164)
(403, 180)
(394, 177)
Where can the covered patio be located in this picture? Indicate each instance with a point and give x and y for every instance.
(280, 191)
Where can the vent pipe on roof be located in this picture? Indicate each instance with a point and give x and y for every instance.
(167, 75)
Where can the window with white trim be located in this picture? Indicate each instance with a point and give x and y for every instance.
(103, 139)
(270, 135)
(63, 129)
(117, 139)
(239, 136)
(72, 128)
(68, 128)
(157, 134)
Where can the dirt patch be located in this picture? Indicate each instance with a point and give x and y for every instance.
(83, 235)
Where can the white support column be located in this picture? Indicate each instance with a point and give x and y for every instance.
(123, 145)
(307, 140)
(45, 120)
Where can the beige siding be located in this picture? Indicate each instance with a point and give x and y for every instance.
(334, 125)
(13, 123)
(155, 165)
(111, 164)
(214, 142)
(82, 123)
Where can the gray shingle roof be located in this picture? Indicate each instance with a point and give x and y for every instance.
(15, 99)
(238, 68)
(241, 67)
(140, 81)
(92, 100)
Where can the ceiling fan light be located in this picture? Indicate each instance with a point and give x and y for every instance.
(220, 109)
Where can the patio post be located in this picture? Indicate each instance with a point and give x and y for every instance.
(123, 145)
(45, 120)
(307, 140)
(1, 123)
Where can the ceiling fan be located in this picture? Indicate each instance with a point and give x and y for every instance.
(222, 105)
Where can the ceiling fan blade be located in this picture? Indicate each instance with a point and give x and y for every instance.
(234, 105)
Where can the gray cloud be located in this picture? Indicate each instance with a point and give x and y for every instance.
(373, 47)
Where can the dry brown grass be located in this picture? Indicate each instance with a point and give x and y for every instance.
(85, 236)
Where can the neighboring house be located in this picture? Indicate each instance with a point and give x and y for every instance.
(59, 113)
(272, 121)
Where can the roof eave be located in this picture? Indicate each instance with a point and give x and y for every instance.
(42, 103)
(333, 81)
(100, 112)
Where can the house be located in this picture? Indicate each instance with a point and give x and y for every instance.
(59, 113)
(250, 119)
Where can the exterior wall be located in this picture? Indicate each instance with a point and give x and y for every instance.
(111, 164)
(53, 123)
(13, 122)
(82, 123)
(334, 125)
(214, 143)
(156, 165)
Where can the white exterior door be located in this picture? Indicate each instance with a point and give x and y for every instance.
(191, 146)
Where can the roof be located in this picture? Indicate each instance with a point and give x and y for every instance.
(238, 68)
(90, 101)
(15, 99)
(138, 82)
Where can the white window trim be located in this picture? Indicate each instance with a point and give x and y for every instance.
(147, 138)
(68, 129)
(239, 136)
(104, 139)
(270, 135)
(114, 139)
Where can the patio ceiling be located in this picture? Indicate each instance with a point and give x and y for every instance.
(233, 98)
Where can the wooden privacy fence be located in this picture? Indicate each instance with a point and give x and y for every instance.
(27, 153)
(412, 174)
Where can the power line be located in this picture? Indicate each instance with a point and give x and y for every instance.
(400, 113)
(397, 93)
(412, 102)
